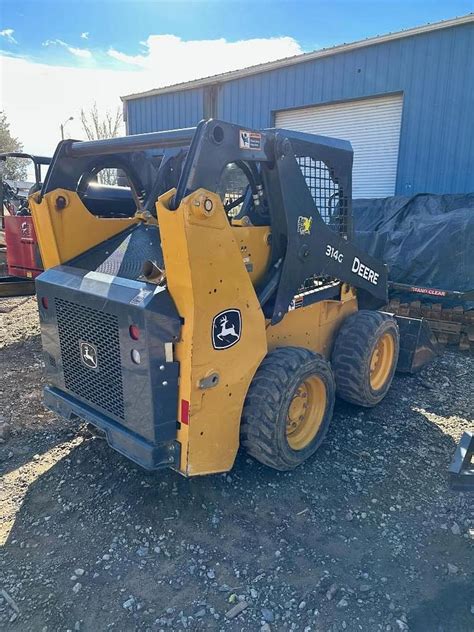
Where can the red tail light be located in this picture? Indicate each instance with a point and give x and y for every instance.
(184, 412)
(134, 332)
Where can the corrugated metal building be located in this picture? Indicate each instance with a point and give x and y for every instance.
(405, 100)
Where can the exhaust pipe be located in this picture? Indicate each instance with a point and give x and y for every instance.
(153, 273)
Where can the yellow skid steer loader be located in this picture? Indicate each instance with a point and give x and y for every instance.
(211, 298)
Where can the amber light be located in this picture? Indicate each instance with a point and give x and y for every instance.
(45, 302)
(134, 332)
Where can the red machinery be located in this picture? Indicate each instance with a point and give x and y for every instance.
(23, 257)
(22, 254)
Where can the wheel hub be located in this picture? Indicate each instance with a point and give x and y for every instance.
(305, 413)
(381, 361)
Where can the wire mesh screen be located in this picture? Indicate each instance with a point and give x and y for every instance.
(326, 192)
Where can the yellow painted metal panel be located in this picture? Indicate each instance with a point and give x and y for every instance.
(65, 233)
(313, 327)
(206, 274)
(254, 244)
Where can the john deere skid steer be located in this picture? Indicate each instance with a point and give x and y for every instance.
(213, 298)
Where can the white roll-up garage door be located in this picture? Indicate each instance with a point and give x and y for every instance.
(373, 128)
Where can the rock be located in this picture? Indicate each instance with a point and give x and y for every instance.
(331, 592)
(142, 551)
(253, 593)
(343, 603)
(472, 609)
(401, 624)
(76, 588)
(455, 529)
(236, 610)
(129, 603)
(210, 573)
(365, 587)
(452, 569)
(265, 628)
(349, 516)
(267, 615)
(4, 429)
(200, 613)
(79, 572)
(302, 605)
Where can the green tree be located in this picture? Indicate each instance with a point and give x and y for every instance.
(12, 168)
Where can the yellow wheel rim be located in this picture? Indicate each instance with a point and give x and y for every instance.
(306, 413)
(381, 361)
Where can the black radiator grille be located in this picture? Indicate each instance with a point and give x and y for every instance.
(101, 387)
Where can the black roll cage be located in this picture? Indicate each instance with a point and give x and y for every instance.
(303, 245)
(38, 161)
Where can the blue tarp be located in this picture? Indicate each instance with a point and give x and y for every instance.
(425, 240)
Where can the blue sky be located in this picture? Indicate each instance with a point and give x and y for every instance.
(123, 24)
(70, 53)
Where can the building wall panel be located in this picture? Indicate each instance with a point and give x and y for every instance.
(167, 111)
(433, 70)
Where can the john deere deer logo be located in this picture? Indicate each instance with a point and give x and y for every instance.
(88, 354)
(226, 329)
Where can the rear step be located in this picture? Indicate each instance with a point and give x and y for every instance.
(16, 286)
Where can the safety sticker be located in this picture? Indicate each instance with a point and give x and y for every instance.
(250, 140)
(139, 298)
(296, 302)
(304, 225)
(226, 329)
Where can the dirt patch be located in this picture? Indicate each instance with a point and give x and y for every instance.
(365, 536)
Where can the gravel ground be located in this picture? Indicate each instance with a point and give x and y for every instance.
(365, 536)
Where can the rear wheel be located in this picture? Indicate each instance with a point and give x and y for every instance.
(288, 407)
(365, 357)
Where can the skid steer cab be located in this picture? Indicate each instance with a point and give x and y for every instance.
(202, 292)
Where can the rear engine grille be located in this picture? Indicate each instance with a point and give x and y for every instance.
(101, 387)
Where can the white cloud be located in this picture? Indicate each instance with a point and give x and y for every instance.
(8, 35)
(60, 92)
(82, 53)
(85, 35)
(173, 59)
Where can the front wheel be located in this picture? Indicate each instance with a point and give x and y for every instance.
(288, 407)
(365, 357)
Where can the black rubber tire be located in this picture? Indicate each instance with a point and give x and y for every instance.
(263, 427)
(352, 354)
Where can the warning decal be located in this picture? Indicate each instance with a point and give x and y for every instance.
(250, 140)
